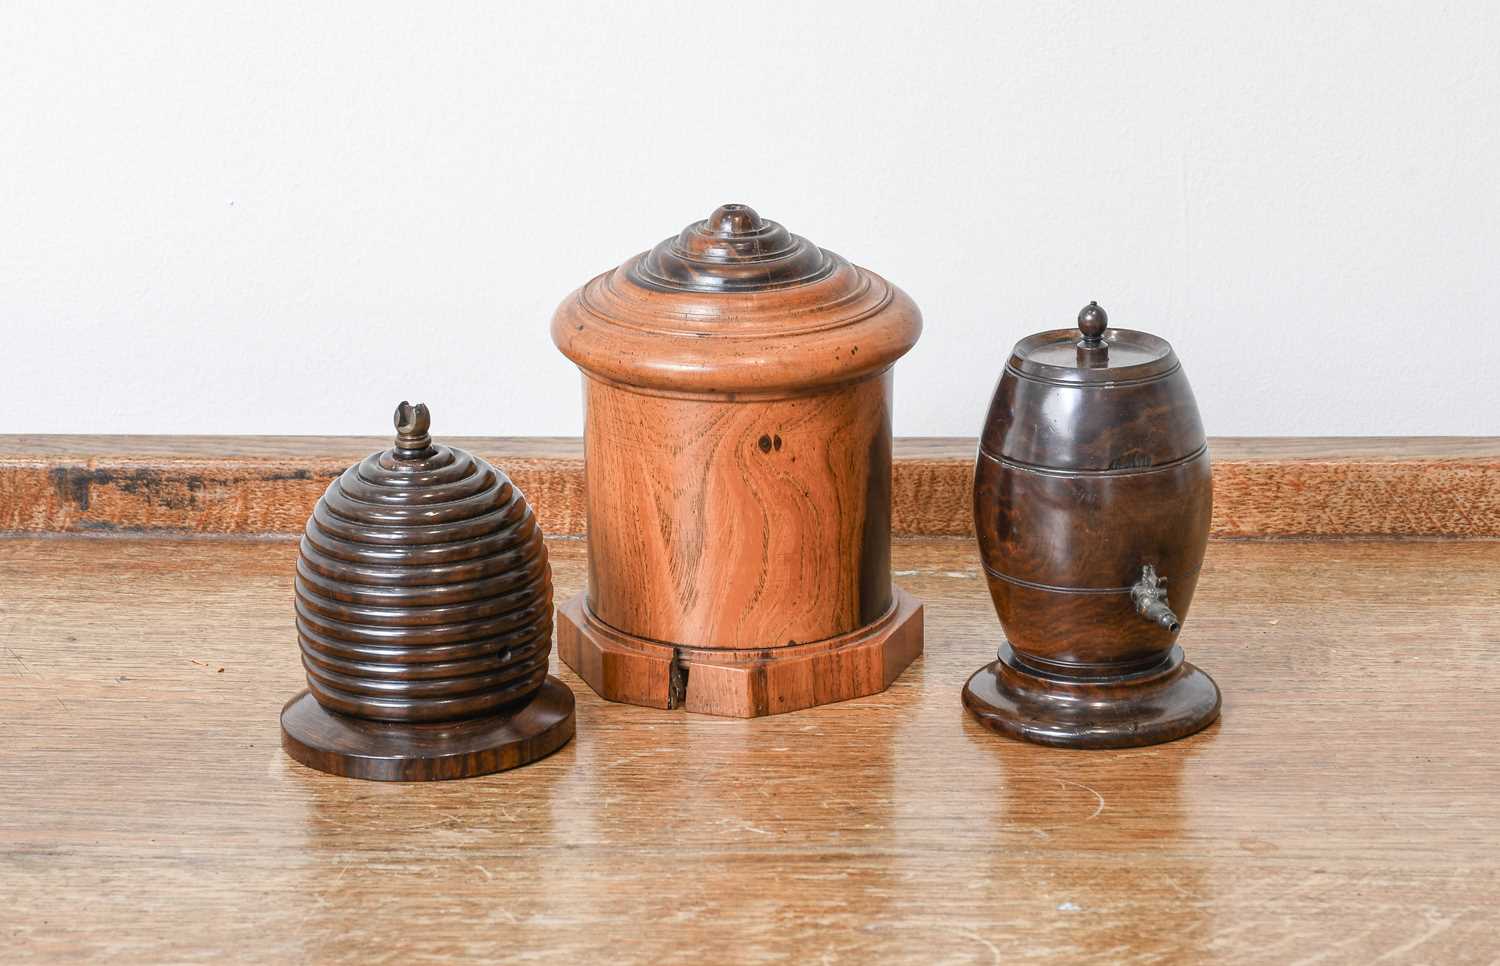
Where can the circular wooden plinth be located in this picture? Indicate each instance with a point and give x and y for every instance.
(397, 752)
(1170, 701)
(740, 683)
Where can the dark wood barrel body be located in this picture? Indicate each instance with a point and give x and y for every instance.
(1082, 481)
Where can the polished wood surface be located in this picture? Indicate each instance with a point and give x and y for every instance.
(1343, 810)
(1333, 486)
(738, 525)
(424, 618)
(1093, 496)
(742, 682)
(737, 306)
(428, 751)
(737, 439)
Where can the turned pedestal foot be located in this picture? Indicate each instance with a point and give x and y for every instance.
(397, 751)
(1171, 700)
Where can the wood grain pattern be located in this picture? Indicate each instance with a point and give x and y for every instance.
(736, 525)
(249, 485)
(740, 682)
(737, 436)
(1342, 811)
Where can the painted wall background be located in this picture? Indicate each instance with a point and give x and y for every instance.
(284, 218)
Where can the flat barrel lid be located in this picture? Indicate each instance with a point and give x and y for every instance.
(1093, 353)
(735, 304)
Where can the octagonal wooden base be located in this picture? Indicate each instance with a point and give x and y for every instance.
(400, 752)
(745, 683)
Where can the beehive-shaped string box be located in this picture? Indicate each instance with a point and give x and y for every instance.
(424, 615)
(737, 384)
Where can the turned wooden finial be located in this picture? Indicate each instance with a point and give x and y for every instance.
(734, 249)
(734, 220)
(1093, 351)
(1092, 321)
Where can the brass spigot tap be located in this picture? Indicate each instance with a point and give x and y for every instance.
(1150, 596)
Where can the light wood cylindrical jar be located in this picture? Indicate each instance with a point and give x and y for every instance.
(737, 445)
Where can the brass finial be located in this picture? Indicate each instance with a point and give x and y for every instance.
(412, 423)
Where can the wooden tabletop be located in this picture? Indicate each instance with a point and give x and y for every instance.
(1346, 809)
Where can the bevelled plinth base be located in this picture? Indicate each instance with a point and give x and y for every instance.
(398, 752)
(1170, 701)
(740, 683)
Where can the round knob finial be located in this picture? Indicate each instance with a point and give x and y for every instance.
(1092, 322)
(734, 220)
(412, 423)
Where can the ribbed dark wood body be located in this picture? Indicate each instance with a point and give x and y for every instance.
(1084, 478)
(424, 616)
(423, 592)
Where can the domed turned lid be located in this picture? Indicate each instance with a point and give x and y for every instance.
(1093, 352)
(423, 591)
(732, 250)
(735, 303)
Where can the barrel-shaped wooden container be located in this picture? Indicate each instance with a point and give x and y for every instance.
(1092, 501)
(737, 445)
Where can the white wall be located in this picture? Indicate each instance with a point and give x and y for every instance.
(285, 217)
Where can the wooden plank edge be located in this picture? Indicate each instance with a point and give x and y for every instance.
(1427, 487)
